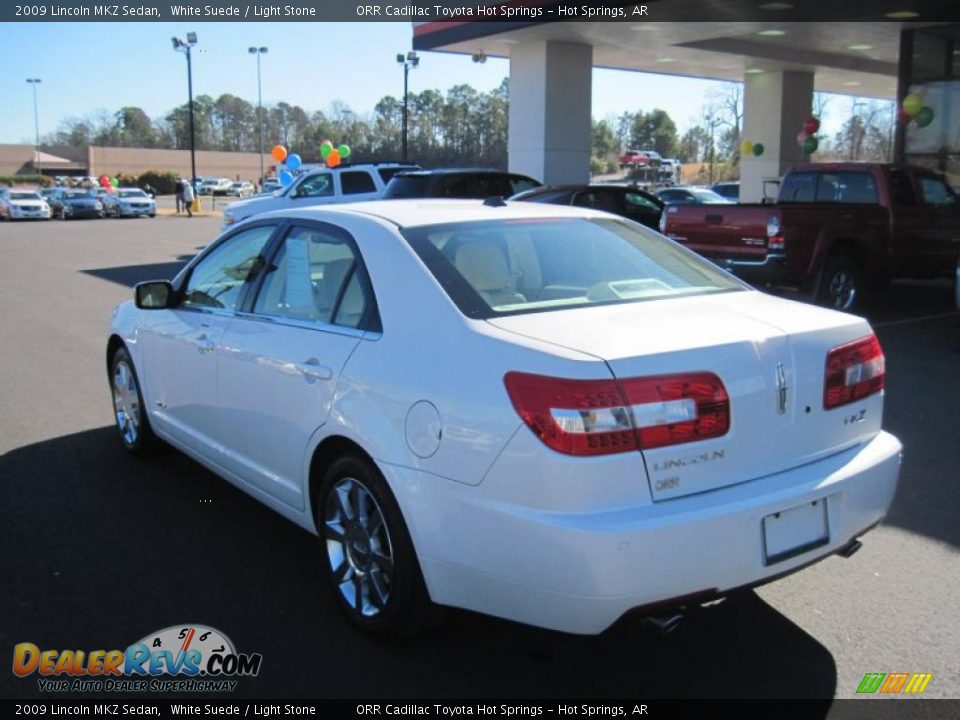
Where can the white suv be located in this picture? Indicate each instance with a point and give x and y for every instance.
(320, 186)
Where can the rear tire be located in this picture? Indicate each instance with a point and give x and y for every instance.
(129, 410)
(841, 285)
(368, 560)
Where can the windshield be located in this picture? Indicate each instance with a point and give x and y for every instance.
(24, 196)
(131, 194)
(508, 267)
(78, 195)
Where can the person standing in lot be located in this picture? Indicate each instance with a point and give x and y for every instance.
(179, 194)
(187, 195)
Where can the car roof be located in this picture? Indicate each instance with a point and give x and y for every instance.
(417, 212)
(453, 171)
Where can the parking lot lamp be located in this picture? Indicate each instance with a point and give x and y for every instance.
(36, 125)
(184, 47)
(410, 60)
(258, 51)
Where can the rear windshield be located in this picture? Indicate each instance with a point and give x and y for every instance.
(509, 267)
(407, 186)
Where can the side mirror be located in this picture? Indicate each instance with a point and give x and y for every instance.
(153, 295)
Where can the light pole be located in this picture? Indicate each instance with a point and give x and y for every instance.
(184, 47)
(258, 51)
(36, 125)
(410, 60)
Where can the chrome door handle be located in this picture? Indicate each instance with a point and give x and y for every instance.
(311, 368)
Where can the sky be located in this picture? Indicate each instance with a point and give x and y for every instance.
(85, 67)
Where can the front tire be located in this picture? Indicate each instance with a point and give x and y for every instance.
(841, 284)
(368, 559)
(129, 410)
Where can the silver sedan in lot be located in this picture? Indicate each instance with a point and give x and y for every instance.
(129, 202)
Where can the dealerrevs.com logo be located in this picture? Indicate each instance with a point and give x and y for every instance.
(180, 658)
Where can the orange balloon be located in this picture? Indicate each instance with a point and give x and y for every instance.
(333, 158)
(279, 153)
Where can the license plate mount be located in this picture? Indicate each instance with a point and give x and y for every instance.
(795, 531)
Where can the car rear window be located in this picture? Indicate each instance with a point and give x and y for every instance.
(846, 187)
(798, 188)
(509, 267)
(407, 186)
(357, 181)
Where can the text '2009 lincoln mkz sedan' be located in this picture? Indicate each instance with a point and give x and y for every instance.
(543, 413)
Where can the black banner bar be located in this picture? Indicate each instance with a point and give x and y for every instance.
(873, 708)
(447, 13)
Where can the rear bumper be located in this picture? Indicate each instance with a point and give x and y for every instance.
(771, 270)
(580, 572)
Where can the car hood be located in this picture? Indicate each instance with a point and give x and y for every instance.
(251, 206)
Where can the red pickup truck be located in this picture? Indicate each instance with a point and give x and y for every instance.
(835, 229)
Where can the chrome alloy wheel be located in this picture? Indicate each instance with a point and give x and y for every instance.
(358, 547)
(126, 403)
(842, 290)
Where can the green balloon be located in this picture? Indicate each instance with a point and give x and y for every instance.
(810, 145)
(344, 151)
(325, 149)
(757, 149)
(114, 182)
(924, 117)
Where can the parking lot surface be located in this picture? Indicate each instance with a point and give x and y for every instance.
(100, 548)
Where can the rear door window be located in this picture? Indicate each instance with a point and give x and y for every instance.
(356, 182)
(519, 183)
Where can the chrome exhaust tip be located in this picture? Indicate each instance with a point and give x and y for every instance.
(665, 622)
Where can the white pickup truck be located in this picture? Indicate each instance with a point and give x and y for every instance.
(320, 186)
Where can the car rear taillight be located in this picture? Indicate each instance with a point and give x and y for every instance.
(603, 417)
(775, 240)
(853, 372)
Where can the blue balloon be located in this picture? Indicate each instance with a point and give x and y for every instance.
(293, 161)
(285, 177)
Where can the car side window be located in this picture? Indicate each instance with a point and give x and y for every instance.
(357, 181)
(935, 192)
(313, 277)
(319, 185)
(217, 280)
(638, 203)
(596, 199)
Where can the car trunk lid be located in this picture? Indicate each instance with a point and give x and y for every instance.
(770, 355)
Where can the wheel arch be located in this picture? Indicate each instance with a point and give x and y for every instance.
(330, 449)
(113, 344)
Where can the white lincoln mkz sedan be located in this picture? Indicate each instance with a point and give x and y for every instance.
(543, 413)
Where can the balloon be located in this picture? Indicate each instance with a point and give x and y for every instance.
(913, 104)
(333, 158)
(285, 177)
(810, 145)
(104, 181)
(746, 148)
(903, 117)
(114, 182)
(801, 136)
(811, 125)
(279, 153)
(325, 149)
(293, 161)
(757, 149)
(924, 117)
(344, 151)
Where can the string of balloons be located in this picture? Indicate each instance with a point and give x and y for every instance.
(332, 157)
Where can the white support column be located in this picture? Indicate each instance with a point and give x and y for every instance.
(550, 94)
(775, 105)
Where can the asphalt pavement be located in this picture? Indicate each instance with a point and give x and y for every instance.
(99, 548)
